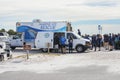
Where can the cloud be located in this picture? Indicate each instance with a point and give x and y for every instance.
(104, 4)
(96, 4)
(12, 11)
(59, 9)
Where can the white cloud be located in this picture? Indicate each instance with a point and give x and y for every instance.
(12, 11)
(60, 8)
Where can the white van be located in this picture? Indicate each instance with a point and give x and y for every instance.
(38, 34)
(43, 38)
(4, 46)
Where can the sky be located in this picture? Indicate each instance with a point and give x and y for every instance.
(85, 15)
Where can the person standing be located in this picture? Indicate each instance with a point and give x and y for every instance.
(116, 42)
(56, 43)
(79, 33)
(106, 41)
(110, 42)
(70, 41)
(99, 41)
(62, 43)
(94, 42)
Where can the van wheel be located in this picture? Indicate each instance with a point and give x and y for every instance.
(44, 50)
(13, 48)
(1, 57)
(80, 48)
(11, 56)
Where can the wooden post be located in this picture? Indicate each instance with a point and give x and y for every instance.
(27, 48)
(48, 45)
(27, 54)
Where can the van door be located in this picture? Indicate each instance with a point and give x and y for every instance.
(43, 38)
(58, 34)
(16, 41)
(74, 38)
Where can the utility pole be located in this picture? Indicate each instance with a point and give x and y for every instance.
(100, 29)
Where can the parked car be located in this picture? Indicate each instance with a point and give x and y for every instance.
(4, 46)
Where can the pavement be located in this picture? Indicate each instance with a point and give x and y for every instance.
(73, 73)
(99, 65)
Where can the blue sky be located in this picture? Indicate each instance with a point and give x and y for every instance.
(83, 14)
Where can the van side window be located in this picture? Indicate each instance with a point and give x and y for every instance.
(18, 36)
(0, 46)
(15, 37)
(1, 34)
(71, 34)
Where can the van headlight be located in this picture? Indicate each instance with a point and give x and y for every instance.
(87, 43)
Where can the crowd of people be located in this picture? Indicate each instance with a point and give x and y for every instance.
(108, 41)
(60, 43)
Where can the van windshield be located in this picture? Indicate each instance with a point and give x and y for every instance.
(17, 36)
(78, 36)
(74, 35)
(1, 34)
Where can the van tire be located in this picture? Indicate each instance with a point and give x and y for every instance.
(1, 58)
(13, 48)
(44, 50)
(80, 48)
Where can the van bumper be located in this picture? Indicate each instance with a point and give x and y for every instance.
(88, 45)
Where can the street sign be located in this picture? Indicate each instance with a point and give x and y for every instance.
(99, 27)
(27, 47)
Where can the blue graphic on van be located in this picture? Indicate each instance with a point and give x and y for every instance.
(25, 28)
(30, 33)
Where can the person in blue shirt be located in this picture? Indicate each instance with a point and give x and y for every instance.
(63, 44)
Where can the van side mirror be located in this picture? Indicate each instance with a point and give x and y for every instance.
(1, 46)
(14, 37)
